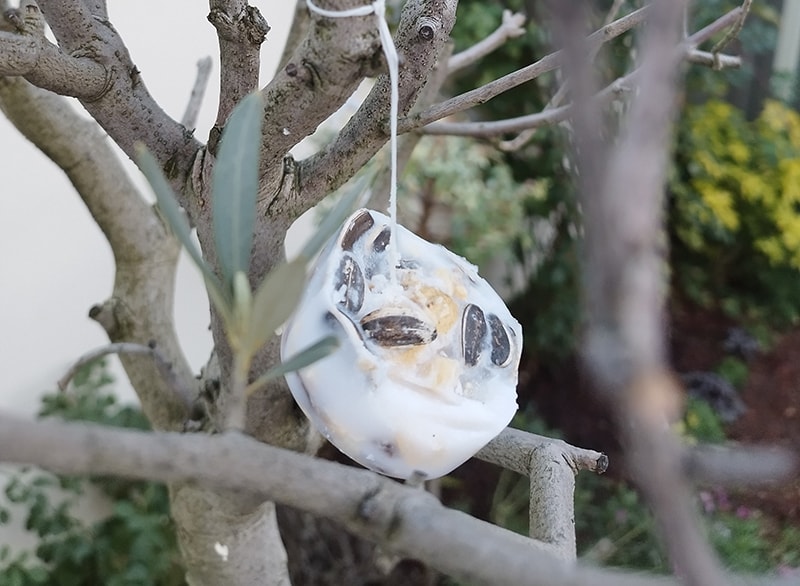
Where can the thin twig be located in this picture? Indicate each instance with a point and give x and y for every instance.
(189, 119)
(511, 27)
(495, 88)
(529, 122)
(716, 60)
(613, 11)
(734, 31)
(512, 450)
(547, 117)
(181, 390)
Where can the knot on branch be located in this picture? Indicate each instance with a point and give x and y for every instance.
(381, 508)
(14, 17)
(248, 26)
(427, 27)
(103, 314)
(26, 19)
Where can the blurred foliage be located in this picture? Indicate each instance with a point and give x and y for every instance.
(706, 216)
(456, 174)
(134, 545)
(734, 370)
(700, 423)
(735, 204)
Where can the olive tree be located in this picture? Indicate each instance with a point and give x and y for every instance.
(228, 459)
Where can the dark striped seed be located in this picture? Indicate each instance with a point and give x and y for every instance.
(382, 240)
(473, 332)
(358, 226)
(501, 343)
(349, 276)
(397, 330)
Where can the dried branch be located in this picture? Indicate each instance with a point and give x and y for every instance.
(189, 119)
(529, 122)
(551, 507)
(495, 88)
(716, 60)
(551, 466)
(27, 52)
(240, 30)
(406, 521)
(613, 11)
(511, 27)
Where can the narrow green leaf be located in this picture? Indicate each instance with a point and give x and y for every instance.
(234, 187)
(172, 213)
(309, 355)
(334, 219)
(275, 300)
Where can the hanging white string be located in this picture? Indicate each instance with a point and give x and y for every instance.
(378, 8)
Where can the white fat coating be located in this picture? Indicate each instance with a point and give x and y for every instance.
(407, 409)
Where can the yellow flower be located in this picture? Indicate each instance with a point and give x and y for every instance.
(720, 202)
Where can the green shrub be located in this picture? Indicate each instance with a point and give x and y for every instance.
(734, 215)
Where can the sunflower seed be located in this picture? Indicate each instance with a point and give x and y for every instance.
(501, 344)
(349, 276)
(473, 332)
(397, 329)
(382, 240)
(358, 226)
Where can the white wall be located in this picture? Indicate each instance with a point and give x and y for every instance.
(54, 262)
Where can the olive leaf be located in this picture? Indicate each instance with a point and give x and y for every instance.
(274, 301)
(175, 218)
(234, 187)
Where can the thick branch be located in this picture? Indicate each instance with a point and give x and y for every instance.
(140, 310)
(126, 110)
(240, 30)
(407, 521)
(421, 37)
(323, 72)
(29, 54)
(624, 276)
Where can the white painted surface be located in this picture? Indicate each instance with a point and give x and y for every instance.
(787, 51)
(54, 262)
